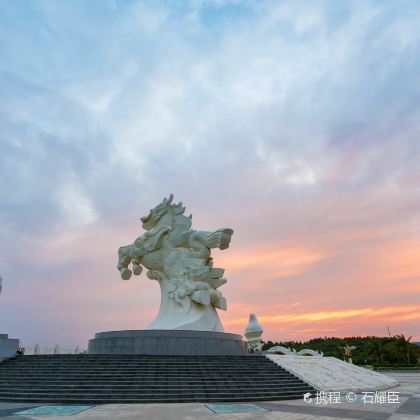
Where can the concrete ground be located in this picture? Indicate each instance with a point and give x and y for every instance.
(408, 408)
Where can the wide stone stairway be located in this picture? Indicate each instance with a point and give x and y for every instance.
(97, 379)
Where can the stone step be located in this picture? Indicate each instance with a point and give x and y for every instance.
(158, 400)
(144, 372)
(137, 366)
(137, 386)
(160, 384)
(141, 375)
(139, 363)
(144, 368)
(220, 382)
(130, 357)
(134, 362)
(127, 358)
(142, 359)
(159, 390)
(152, 395)
(36, 360)
(140, 369)
(139, 379)
(113, 387)
(117, 384)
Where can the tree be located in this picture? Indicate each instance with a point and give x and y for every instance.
(374, 349)
(403, 345)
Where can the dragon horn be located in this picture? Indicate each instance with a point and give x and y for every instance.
(169, 201)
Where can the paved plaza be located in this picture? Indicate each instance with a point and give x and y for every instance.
(408, 408)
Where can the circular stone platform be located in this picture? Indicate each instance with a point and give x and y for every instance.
(168, 343)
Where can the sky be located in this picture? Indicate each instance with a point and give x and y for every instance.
(295, 123)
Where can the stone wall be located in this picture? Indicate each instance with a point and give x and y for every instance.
(8, 347)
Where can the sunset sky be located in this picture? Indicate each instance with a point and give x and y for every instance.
(295, 123)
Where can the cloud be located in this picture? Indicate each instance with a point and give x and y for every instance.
(296, 125)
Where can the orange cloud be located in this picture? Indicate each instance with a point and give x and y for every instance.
(347, 283)
(397, 312)
(281, 261)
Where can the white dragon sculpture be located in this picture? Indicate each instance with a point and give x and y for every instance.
(179, 259)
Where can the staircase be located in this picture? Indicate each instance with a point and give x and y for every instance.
(98, 379)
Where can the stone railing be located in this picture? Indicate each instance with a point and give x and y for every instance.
(33, 350)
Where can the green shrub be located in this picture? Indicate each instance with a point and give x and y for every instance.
(393, 352)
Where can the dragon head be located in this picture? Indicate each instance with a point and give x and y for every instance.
(152, 219)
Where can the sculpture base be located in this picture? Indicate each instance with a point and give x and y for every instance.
(168, 343)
